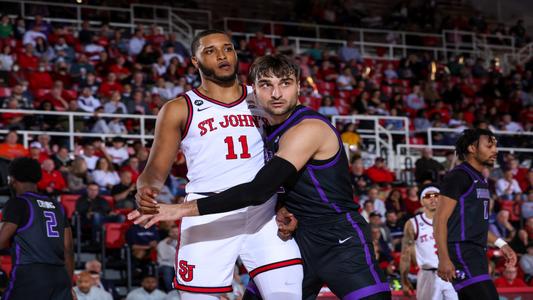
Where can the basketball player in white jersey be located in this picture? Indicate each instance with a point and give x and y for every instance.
(418, 239)
(220, 128)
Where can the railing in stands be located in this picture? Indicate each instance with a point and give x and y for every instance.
(143, 135)
(397, 43)
(172, 19)
(518, 58)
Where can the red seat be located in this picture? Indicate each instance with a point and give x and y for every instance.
(115, 235)
(110, 200)
(6, 264)
(69, 203)
(5, 92)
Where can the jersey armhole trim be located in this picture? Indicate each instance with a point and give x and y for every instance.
(30, 218)
(189, 116)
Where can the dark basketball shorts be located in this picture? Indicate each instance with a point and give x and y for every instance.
(340, 254)
(470, 261)
(39, 282)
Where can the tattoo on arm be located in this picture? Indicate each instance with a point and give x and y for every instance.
(408, 242)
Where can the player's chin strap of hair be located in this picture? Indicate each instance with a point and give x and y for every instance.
(265, 184)
(500, 243)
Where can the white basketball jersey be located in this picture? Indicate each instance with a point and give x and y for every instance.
(223, 143)
(426, 248)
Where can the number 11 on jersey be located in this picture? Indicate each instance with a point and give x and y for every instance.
(231, 147)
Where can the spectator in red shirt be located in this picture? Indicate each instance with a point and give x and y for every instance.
(37, 153)
(132, 166)
(260, 45)
(156, 37)
(379, 173)
(52, 182)
(509, 279)
(111, 85)
(41, 79)
(27, 59)
(119, 69)
(58, 101)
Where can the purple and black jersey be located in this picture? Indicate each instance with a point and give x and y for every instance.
(322, 188)
(469, 221)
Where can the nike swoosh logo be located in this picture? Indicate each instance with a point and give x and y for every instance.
(342, 241)
(201, 109)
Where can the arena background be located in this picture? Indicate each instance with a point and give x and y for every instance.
(400, 79)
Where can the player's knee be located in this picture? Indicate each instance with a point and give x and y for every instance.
(283, 284)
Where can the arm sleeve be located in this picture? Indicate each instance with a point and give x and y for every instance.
(16, 211)
(455, 184)
(256, 192)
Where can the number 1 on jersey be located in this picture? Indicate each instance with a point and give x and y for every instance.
(231, 147)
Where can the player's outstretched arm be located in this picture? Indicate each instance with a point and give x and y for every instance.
(444, 210)
(297, 146)
(168, 130)
(408, 242)
(508, 252)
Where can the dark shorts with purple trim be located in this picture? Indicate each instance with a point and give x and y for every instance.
(39, 282)
(341, 256)
(470, 259)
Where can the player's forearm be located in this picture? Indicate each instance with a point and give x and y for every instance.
(69, 262)
(405, 264)
(152, 178)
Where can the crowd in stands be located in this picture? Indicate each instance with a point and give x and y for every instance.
(52, 67)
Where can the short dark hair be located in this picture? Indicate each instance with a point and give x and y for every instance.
(469, 137)
(196, 40)
(277, 65)
(25, 169)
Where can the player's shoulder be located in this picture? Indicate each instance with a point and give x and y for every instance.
(457, 175)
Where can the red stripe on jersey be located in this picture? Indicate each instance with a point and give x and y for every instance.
(198, 289)
(189, 116)
(231, 104)
(277, 265)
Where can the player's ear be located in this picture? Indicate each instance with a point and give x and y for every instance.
(471, 148)
(194, 61)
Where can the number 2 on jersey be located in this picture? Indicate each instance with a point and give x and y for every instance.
(51, 223)
(231, 147)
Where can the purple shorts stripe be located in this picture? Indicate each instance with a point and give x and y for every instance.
(320, 190)
(367, 291)
(471, 281)
(460, 257)
(365, 247)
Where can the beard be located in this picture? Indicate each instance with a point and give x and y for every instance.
(211, 74)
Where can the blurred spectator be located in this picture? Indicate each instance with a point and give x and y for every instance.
(148, 56)
(381, 249)
(368, 208)
(526, 234)
(85, 289)
(412, 203)
(7, 59)
(124, 191)
(78, 177)
(526, 262)
(27, 60)
(87, 102)
(118, 153)
(88, 154)
(136, 43)
(32, 35)
(115, 105)
(379, 205)
(527, 206)
(507, 186)
(41, 25)
(379, 173)
(10, 148)
(105, 175)
(501, 227)
(64, 53)
(170, 53)
(86, 34)
(43, 50)
(260, 45)
(346, 81)
(132, 166)
(6, 27)
(509, 125)
(360, 181)
(14, 121)
(178, 46)
(58, 100)
(143, 243)
(147, 291)
(394, 202)
(62, 160)
(415, 100)
(351, 137)
(395, 228)
(111, 85)
(94, 211)
(286, 48)
(327, 108)
(82, 69)
(23, 97)
(19, 28)
(52, 182)
(93, 49)
(427, 168)
(120, 69)
(40, 80)
(509, 279)
(166, 255)
(137, 105)
(349, 52)
(94, 267)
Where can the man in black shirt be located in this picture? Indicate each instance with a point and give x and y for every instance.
(124, 191)
(461, 221)
(40, 236)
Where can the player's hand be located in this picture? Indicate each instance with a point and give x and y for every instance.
(407, 288)
(287, 223)
(446, 270)
(146, 202)
(509, 255)
(167, 212)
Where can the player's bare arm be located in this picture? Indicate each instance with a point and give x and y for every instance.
(408, 249)
(309, 139)
(69, 251)
(170, 121)
(7, 232)
(444, 210)
(508, 252)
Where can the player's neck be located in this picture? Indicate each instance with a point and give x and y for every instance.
(225, 93)
(428, 214)
(475, 164)
(25, 188)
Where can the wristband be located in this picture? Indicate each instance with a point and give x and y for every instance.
(500, 243)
